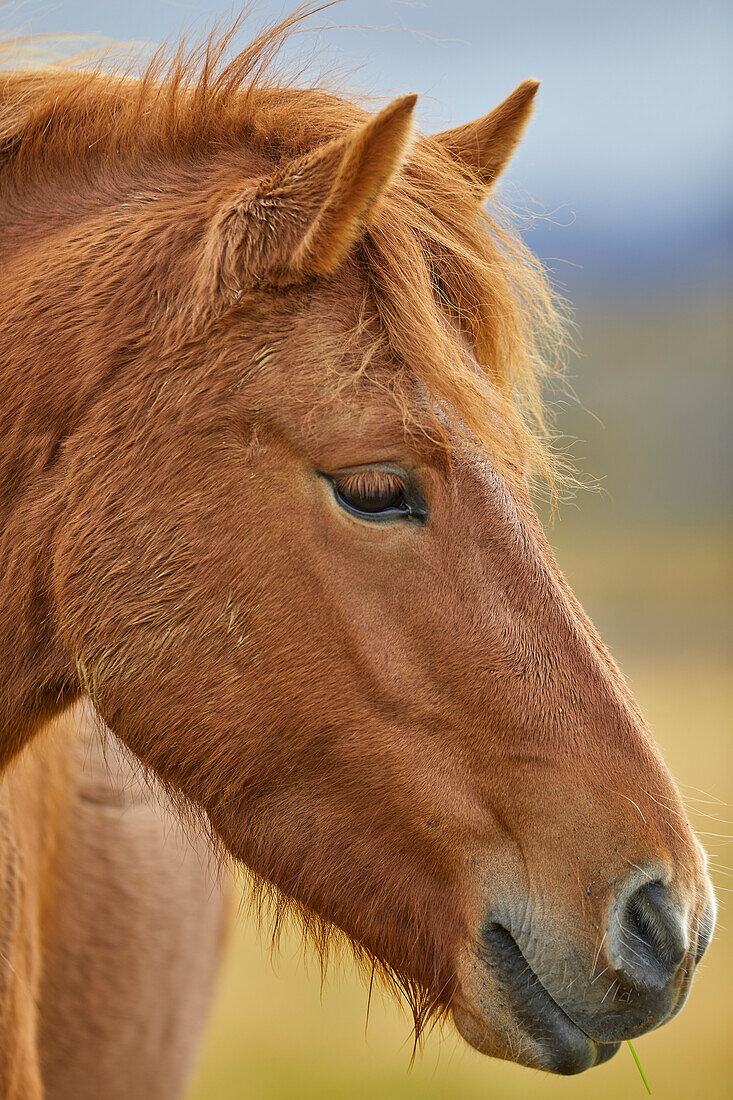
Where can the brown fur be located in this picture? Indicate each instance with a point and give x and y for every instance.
(485, 146)
(216, 288)
(111, 926)
(133, 949)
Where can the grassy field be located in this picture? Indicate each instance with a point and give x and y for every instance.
(661, 600)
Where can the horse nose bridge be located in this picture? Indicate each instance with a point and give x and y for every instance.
(549, 648)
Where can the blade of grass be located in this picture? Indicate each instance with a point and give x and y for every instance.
(638, 1066)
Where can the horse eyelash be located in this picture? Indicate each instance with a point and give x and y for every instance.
(370, 483)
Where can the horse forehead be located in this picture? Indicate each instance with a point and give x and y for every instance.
(359, 424)
(336, 383)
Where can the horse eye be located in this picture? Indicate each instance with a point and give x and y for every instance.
(377, 494)
(372, 493)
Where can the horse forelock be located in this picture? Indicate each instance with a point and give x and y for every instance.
(430, 253)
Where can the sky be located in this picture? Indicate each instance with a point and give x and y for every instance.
(630, 150)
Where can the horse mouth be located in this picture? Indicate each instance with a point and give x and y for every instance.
(554, 1042)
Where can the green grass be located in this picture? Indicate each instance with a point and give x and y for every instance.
(639, 1066)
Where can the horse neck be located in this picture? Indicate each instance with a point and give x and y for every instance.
(75, 295)
(82, 271)
(34, 680)
(41, 398)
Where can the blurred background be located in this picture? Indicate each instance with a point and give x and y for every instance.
(623, 187)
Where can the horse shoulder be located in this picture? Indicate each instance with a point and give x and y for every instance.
(137, 937)
(112, 924)
(34, 794)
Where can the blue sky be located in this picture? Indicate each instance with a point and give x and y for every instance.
(632, 136)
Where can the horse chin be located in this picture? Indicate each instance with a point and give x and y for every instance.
(559, 1047)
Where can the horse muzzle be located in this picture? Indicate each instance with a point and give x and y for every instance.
(536, 994)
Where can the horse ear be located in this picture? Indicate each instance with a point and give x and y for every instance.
(486, 145)
(304, 220)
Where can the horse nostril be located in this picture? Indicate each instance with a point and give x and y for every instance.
(650, 941)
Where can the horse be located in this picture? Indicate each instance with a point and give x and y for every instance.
(272, 369)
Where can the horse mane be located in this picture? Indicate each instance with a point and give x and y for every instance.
(429, 244)
(429, 253)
